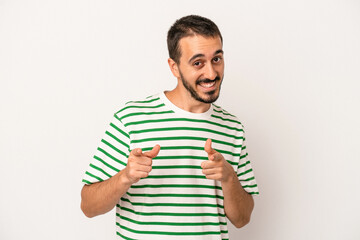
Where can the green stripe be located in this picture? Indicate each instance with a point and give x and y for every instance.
(225, 119)
(243, 156)
(184, 128)
(134, 106)
(100, 170)
(250, 186)
(182, 120)
(181, 157)
(232, 163)
(117, 139)
(167, 233)
(87, 182)
(176, 176)
(127, 238)
(146, 101)
(144, 113)
(177, 166)
(171, 223)
(94, 176)
(174, 195)
(223, 112)
(170, 214)
(110, 156)
(119, 130)
(192, 148)
(106, 164)
(252, 193)
(246, 180)
(243, 165)
(243, 173)
(176, 186)
(114, 148)
(183, 138)
(173, 204)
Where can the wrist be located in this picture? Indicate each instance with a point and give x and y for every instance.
(231, 178)
(123, 180)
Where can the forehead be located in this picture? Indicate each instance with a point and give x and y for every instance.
(196, 44)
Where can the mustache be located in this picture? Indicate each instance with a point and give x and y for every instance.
(206, 80)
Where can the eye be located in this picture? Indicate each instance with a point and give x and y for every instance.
(197, 63)
(217, 59)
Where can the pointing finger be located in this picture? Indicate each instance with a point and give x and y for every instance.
(208, 148)
(154, 152)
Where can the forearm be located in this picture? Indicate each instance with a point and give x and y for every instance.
(101, 197)
(238, 204)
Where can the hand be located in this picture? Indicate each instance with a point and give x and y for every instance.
(216, 168)
(140, 164)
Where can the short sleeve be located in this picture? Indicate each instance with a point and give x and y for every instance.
(111, 155)
(245, 172)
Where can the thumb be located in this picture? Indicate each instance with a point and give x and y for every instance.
(136, 152)
(154, 152)
(208, 148)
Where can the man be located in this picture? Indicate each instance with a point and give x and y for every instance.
(175, 165)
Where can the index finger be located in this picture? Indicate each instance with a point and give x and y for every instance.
(208, 148)
(154, 152)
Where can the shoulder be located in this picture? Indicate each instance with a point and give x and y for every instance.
(147, 104)
(226, 117)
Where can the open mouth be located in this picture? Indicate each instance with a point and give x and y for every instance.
(207, 84)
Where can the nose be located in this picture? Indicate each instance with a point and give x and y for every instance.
(209, 72)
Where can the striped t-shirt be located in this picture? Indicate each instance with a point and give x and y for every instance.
(175, 201)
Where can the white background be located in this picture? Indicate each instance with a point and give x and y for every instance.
(292, 77)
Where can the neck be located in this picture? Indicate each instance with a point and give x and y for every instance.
(184, 100)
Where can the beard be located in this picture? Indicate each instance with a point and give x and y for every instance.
(211, 96)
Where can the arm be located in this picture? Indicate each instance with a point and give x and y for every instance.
(101, 197)
(238, 204)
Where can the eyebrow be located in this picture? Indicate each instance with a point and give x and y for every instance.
(202, 55)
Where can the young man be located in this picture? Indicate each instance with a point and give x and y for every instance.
(175, 165)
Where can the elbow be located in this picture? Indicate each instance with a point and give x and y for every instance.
(85, 211)
(244, 218)
(242, 222)
(85, 207)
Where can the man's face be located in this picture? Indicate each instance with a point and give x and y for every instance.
(201, 67)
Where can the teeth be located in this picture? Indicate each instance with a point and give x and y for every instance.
(208, 85)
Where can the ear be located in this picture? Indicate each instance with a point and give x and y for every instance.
(174, 67)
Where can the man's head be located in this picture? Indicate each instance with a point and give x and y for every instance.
(196, 57)
(189, 26)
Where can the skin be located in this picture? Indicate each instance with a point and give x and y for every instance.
(201, 58)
